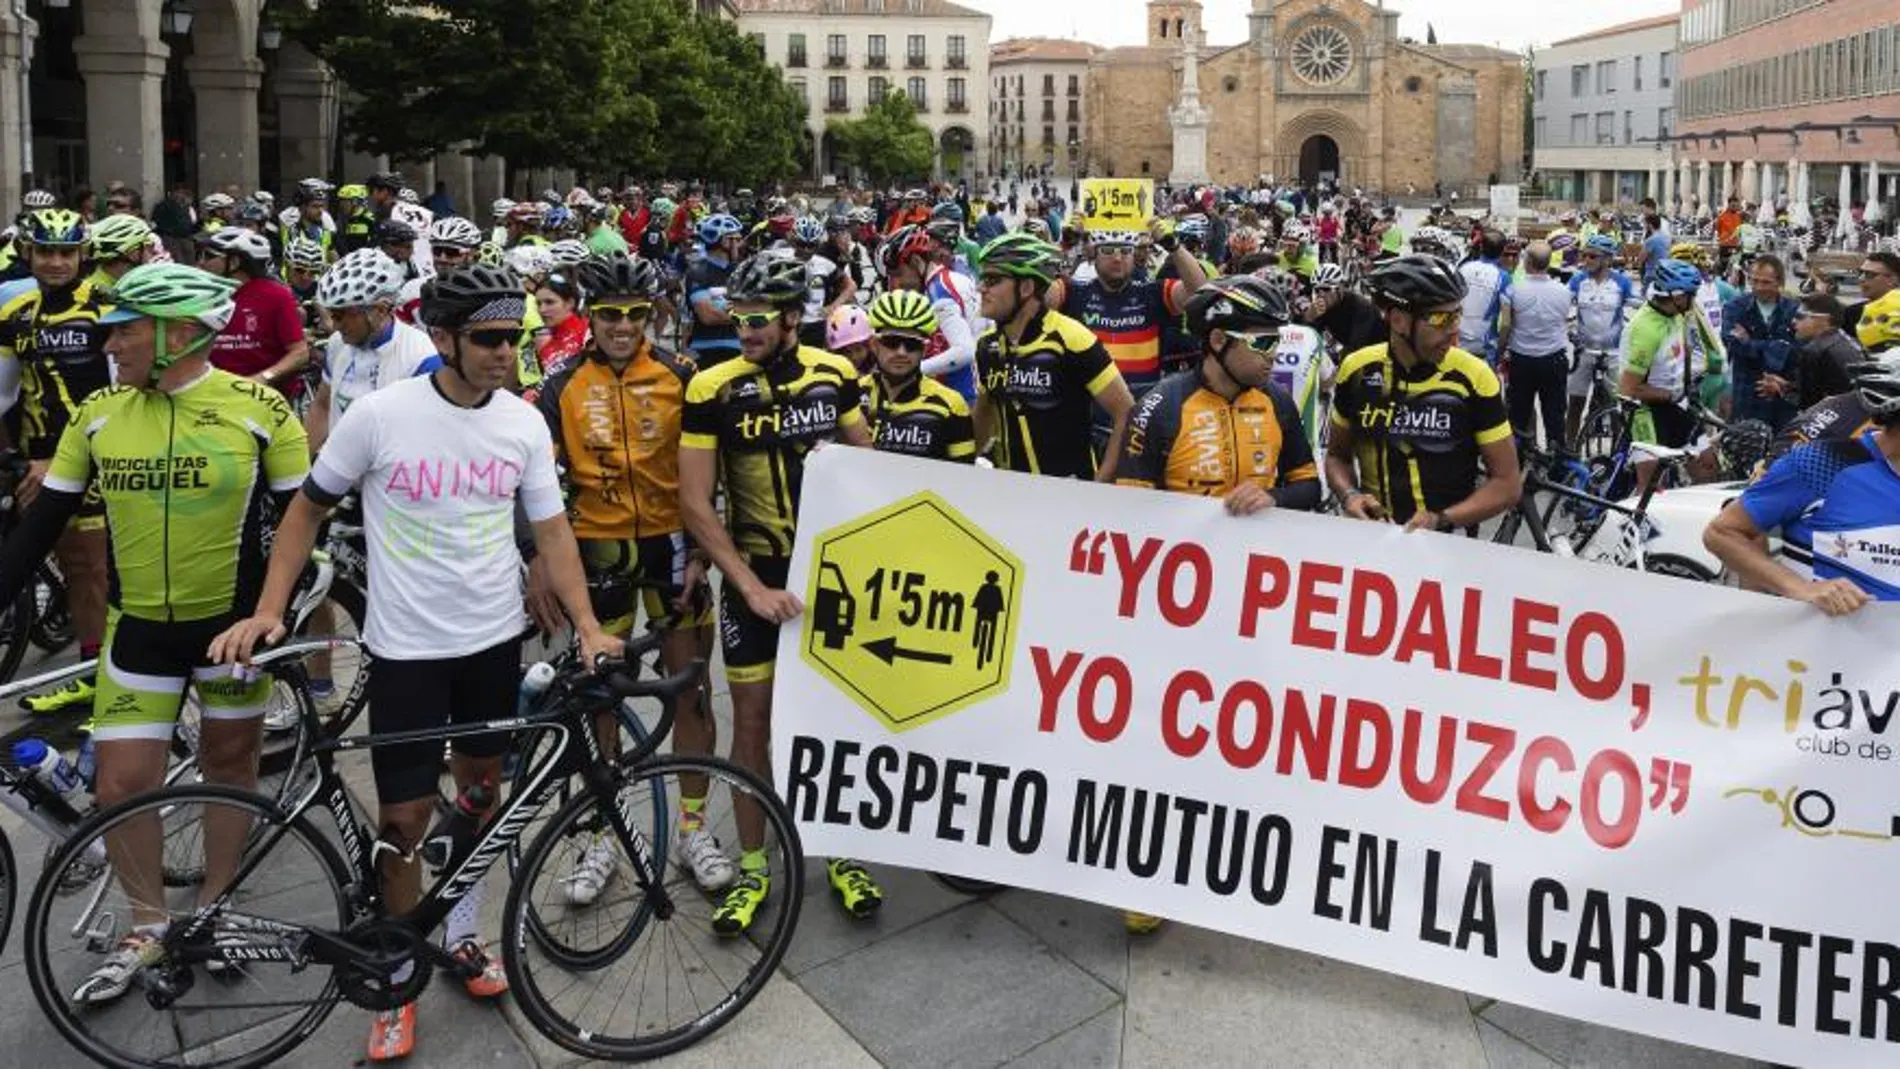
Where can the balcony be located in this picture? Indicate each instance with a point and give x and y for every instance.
(795, 59)
(922, 104)
(916, 63)
(957, 107)
(957, 63)
(877, 63)
(836, 61)
(837, 106)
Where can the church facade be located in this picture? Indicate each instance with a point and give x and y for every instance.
(1320, 89)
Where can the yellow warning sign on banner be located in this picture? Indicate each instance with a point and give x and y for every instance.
(1117, 203)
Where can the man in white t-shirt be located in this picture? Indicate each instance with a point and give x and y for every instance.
(371, 347)
(442, 462)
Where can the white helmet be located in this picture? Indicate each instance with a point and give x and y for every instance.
(529, 260)
(264, 197)
(568, 252)
(39, 198)
(1296, 232)
(363, 278)
(453, 231)
(408, 196)
(288, 218)
(1329, 276)
(239, 241)
(501, 208)
(217, 202)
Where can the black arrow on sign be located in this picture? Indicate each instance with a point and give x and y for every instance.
(888, 651)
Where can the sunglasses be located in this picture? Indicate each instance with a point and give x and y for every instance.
(909, 343)
(1864, 273)
(494, 337)
(1447, 318)
(615, 313)
(209, 254)
(754, 320)
(1264, 342)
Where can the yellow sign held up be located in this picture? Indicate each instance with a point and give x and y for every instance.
(1117, 203)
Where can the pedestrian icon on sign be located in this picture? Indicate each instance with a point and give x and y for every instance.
(989, 607)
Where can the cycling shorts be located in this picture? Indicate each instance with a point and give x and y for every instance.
(653, 559)
(1666, 425)
(144, 666)
(1585, 364)
(750, 642)
(434, 693)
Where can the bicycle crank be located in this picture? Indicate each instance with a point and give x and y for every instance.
(375, 950)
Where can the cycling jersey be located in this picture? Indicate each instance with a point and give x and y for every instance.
(1042, 390)
(1417, 433)
(618, 436)
(822, 282)
(950, 353)
(565, 341)
(183, 476)
(1128, 322)
(1187, 438)
(762, 420)
(1300, 364)
(1302, 265)
(265, 325)
(1839, 501)
(1485, 283)
(1838, 419)
(1603, 306)
(56, 337)
(1670, 352)
(706, 280)
(921, 418)
(352, 371)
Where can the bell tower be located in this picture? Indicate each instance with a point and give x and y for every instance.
(1171, 22)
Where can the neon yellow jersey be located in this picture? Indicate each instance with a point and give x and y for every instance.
(531, 322)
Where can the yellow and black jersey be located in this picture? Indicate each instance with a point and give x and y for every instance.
(618, 436)
(1417, 434)
(761, 420)
(56, 337)
(921, 418)
(1042, 391)
(1187, 438)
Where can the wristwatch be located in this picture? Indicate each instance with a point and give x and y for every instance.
(1444, 524)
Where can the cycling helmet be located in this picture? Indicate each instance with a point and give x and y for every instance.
(1244, 241)
(1296, 232)
(489, 254)
(500, 208)
(311, 188)
(395, 232)
(808, 231)
(116, 235)
(947, 212)
(1563, 242)
(528, 213)
(352, 191)
(1602, 243)
(1879, 326)
(248, 245)
(529, 261)
(1329, 276)
(1430, 237)
(217, 202)
(1415, 281)
(253, 212)
(903, 310)
(617, 275)
(1744, 444)
(455, 232)
(1115, 239)
(287, 218)
(1675, 278)
(1690, 253)
(362, 278)
(171, 293)
(558, 218)
(1038, 228)
(1021, 255)
(863, 216)
(779, 281)
(390, 180)
(1878, 384)
(837, 222)
(264, 197)
(1286, 282)
(1193, 228)
(36, 199)
(717, 227)
(551, 197)
(904, 243)
(304, 253)
(848, 325)
(662, 209)
(408, 196)
(472, 294)
(568, 252)
(1244, 303)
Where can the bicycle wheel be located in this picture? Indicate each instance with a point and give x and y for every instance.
(16, 627)
(1678, 567)
(289, 699)
(265, 1000)
(52, 622)
(654, 978)
(9, 889)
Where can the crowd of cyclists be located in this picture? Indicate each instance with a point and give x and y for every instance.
(627, 383)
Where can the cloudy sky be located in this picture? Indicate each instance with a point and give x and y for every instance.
(1507, 25)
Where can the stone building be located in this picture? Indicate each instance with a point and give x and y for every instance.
(1321, 88)
(1037, 103)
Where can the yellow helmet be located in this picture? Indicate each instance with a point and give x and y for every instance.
(352, 191)
(1879, 326)
(1690, 253)
(903, 310)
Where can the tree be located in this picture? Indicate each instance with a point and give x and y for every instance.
(888, 142)
(602, 86)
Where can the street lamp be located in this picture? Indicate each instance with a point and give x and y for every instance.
(269, 36)
(175, 17)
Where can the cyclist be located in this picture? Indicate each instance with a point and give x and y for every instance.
(1531, 338)
(559, 299)
(910, 412)
(358, 221)
(1413, 419)
(1667, 349)
(1843, 417)
(265, 341)
(119, 243)
(1297, 253)
(1486, 280)
(1837, 501)
(217, 210)
(827, 285)
(848, 333)
(1041, 372)
(614, 415)
(914, 261)
(304, 264)
(1344, 314)
(371, 348)
(749, 423)
(1125, 309)
(311, 203)
(713, 339)
(186, 563)
(1602, 299)
(1715, 294)
(443, 624)
(50, 331)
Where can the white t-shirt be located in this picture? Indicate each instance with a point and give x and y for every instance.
(354, 372)
(438, 484)
(818, 272)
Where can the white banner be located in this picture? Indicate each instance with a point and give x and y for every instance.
(1655, 805)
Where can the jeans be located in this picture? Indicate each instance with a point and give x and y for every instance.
(1539, 382)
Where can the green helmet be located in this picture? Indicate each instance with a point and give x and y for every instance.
(170, 292)
(116, 235)
(903, 310)
(1020, 255)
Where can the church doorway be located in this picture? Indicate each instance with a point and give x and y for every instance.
(1319, 160)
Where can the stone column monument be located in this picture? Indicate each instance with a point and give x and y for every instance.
(1189, 120)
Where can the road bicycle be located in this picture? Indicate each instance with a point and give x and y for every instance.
(38, 616)
(302, 923)
(1621, 532)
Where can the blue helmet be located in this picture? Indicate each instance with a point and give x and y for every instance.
(717, 227)
(1674, 278)
(808, 231)
(557, 218)
(1602, 243)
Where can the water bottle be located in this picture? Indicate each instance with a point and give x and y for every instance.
(454, 832)
(534, 683)
(50, 767)
(88, 763)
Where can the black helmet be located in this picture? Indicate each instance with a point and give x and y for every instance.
(1415, 281)
(390, 180)
(616, 275)
(1744, 444)
(771, 279)
(395, 232)
(1241, 303)
(471, 294)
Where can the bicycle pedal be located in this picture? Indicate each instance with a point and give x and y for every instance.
(103, 935)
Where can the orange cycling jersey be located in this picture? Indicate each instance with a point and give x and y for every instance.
(619, 437)
(1187, 438)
